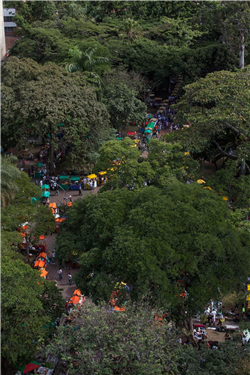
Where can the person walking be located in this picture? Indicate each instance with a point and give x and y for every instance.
(80, 189)
(70, 278)
(60, 274)
(53, 257)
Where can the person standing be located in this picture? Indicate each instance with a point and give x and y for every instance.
(41, 183)
(60, 274)
(70, 278)
(53, 257)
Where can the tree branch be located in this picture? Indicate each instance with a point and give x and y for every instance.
(234, 129)
(224, 153)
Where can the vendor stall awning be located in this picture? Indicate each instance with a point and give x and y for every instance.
(92, 176)
(74, 178)
(45, 186)
(63, 177)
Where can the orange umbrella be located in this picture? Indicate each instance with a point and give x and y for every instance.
(60, 219)
(69, 204)
(42, 237)
(52, 205)
(42, 255)
(41, 263)
(36, 264)
(44, 273)
(76, 297)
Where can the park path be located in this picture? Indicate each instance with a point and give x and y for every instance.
(66, 289)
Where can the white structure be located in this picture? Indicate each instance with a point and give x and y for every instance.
(2, 35)
(9, 25)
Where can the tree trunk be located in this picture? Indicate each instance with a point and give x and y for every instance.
(243, 167)
(27, 249)
(242, 50)
(188, 325)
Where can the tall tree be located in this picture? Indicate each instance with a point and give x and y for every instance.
(37, 98)
(236, 27)
(99, 341)
(218, 109)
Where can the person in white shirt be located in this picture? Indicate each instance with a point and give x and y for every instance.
(41, 182)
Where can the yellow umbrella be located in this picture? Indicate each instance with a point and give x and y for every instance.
(225, 198)
(160, 111)
(92, 176)
(207, 187)
(153, 119)
(102, 173)
(201, 181)
(186, 126)
(187, 153)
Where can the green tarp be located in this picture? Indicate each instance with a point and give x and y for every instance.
(45, 187)
(46, 194)
(39, 164)
(74, 178)
(63, 177)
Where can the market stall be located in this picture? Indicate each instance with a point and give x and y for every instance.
(75, 182)
(64, 182)
(91, 181)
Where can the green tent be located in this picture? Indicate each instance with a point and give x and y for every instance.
(39, 164)
(63, 177)
(46, 194)
(74, 178)
(119, 138)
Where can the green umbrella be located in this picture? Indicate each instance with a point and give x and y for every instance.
(45, 187)
(75, 178)
(46, 194)
(151, 124)
(119, 138)
(149, 115)
(39, 164)
(147, 131)
(63, 177)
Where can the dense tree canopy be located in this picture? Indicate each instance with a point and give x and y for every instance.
(37, 98)
(160, 242)
(28, 308)
(99, 342)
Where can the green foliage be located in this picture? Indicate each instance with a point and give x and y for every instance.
(159, 242)
(23, 317)
(32, 11)
(9, 173)
(109, 343)
(165, 161)
(45, 96)
(218, 109)
(123, 106)
(85, 61)
(228, 360)
(21, 210)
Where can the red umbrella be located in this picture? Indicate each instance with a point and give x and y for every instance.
(31, 366)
